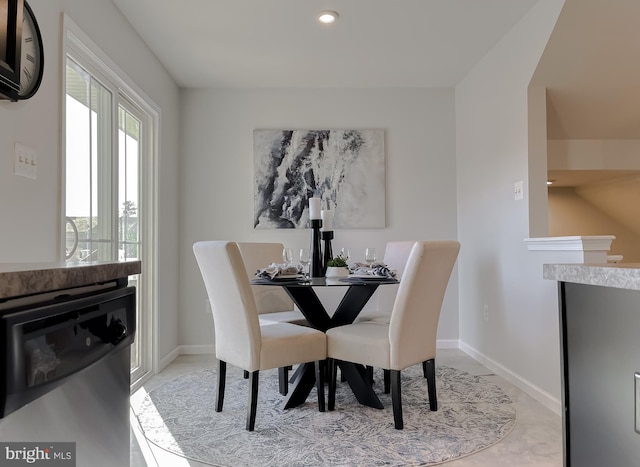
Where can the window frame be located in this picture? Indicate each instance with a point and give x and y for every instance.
(78, 46)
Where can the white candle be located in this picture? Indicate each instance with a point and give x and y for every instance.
(327, 219)
(314, 208)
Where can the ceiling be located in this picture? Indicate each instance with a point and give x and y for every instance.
(591, 70)
(279, 43)
(590, 67)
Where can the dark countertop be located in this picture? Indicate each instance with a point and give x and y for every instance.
(21, 279)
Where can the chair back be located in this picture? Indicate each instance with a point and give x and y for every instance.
(396, 254)
(258, 256)
(235, 317)
(414, 319)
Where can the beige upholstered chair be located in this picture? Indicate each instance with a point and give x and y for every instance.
(396, 254)
(239, 338)
(410, 335)
(273, 303)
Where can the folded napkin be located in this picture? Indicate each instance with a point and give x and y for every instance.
(274, 270)
(376, 270)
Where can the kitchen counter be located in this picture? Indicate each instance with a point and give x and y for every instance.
(620, 276)
(66, 331)
(21, 279)
(599, 307)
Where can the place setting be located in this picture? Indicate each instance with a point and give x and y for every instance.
(318, 265)
(371, 270)
(337, 268)
(287, 271)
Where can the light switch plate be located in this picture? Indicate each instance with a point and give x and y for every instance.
(518, 188)
(25, 161)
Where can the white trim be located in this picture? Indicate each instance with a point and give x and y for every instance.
(75, 41)
(447, 344)
(197, 349)
(576, 243)
(543, 397)
(171, 356)
(84, 44)
(210, 350)
(546, 399)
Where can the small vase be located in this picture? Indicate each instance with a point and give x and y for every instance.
(337, 272)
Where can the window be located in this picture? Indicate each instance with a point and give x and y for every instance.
(109, 177)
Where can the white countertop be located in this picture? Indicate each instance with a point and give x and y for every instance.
(620, 275)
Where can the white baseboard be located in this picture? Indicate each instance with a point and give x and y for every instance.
(447, 344)
(532, 390)
(546, 399)
(210, 349)
(184, 350)
(197, 349)
(171, 356)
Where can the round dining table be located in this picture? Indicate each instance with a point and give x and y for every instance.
(358, 291)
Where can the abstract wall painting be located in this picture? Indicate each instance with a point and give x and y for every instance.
(346, 168)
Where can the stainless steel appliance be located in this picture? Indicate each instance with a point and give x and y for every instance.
(66, 358)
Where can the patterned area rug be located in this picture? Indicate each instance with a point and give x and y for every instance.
(179, 417)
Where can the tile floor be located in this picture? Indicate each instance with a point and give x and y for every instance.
(536, 440)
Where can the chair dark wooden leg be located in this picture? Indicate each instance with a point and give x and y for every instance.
(296, 374)
(369, 370)
(245, 374)
(320, 374)
(386, 381)
(253, 400)
(283, 380)
(429, 368)
(222, 376)
(333, 375)
(396, 399)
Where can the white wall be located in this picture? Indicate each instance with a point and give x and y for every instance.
(30, 210)
(216, 199)
(520, 339)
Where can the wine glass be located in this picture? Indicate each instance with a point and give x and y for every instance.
(287, 255)
(370, 256)
(305, 260)
(344, 252)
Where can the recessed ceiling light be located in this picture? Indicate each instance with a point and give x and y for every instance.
(327, 17)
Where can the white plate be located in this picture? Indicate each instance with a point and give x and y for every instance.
(367, 277)
(288, 277)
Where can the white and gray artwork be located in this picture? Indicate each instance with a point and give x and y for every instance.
(345, 168)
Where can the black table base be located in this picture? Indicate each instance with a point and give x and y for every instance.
(311, 307)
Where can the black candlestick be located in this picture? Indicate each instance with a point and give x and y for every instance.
(327, 236)
(316, 250)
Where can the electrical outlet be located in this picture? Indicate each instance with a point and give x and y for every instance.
(636, 386)
(518, 189)
(486, 312)
(25, 161)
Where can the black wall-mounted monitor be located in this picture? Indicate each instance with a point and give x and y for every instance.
(11, 12)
